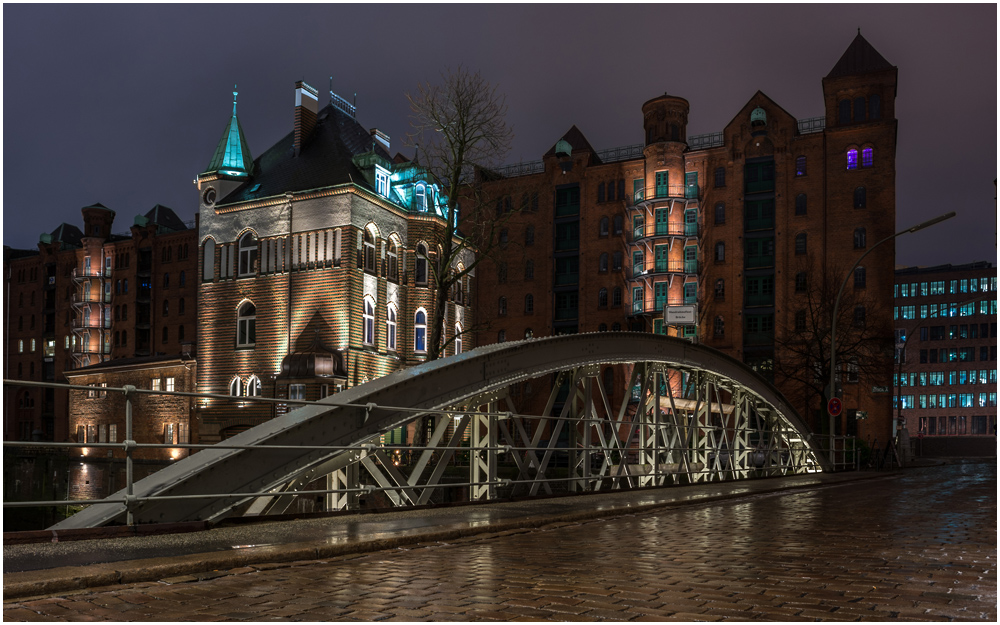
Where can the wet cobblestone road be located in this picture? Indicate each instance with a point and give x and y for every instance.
(919, 547)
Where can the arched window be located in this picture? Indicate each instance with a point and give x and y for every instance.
(208, 261)
(602, 262)
(616, 327)
(859, 109)
(618, 223)
(529, 304)
(369, 251)
(501, 273)
(392, 262)
(528, 333)
(166, 336)
(860, 198)
(420, 331)
(720, 213)
(529, 270)
(867, 157)
(502, 306)
(616, 296)
(603, 230)
(248, 254)
(800, 321)
(529, 235)
(180, 334)
(602, 298)
(719, 327)
(603, 327)
(181, 279)
(166, 308)
(458, 339)
(124, 338)
(800, 244)
(368, 317)
(236, 387)
(844, 112)
(390, 327)
(860, 239)
(801, 205)
(720, 289)
(166, 280)
(501, 336)
(421, 265)
(124, 312)
(859, 316)
(852, 158)
(874, 106)
(180, 306)
(246, 325)
(800, 165)
(253, 386)
(860, 278)
(420, 198)
(720, 252)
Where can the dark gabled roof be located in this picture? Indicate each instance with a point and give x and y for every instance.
(578, 142)
(67, 234)
(165, 218)
(11, 253)
(98, 205)
(860, 58)
(326, 159)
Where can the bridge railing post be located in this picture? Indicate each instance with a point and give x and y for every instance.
(129, 446)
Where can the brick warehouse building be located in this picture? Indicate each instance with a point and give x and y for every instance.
(314, 265)
(946, 375)
(757, 225)
(88, 298)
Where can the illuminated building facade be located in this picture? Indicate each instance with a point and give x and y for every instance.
(90, 296)
(946, 368)
(747, 224)
(314, 265)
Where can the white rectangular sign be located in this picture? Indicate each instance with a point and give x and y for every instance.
(680, 315)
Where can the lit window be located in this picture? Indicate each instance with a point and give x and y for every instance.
(369, 251)
(253, 386)
(382, 181)
(369, 321)
(867, 157)
(170, 385)
(800, 165)
(852, 159)
(419, 198)
(420, 331)
(235, 387)
(246, 325)
(390, 327)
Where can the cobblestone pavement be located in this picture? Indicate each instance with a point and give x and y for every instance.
(921, 547)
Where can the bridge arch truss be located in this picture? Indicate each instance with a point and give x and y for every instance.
(687, 414)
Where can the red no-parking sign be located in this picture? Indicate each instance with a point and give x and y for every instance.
(834, 407)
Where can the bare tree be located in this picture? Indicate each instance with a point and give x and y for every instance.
(459, 129)
(864, 340)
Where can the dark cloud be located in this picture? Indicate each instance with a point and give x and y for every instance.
(123, 104)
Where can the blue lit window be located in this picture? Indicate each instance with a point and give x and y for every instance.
(420, 331)
(867, 157)
(852, 159)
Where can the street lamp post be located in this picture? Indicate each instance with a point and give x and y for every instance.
(832, 388)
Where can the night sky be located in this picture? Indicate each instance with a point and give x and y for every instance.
(124, 104)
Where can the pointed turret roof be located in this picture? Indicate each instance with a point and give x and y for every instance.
(232, 156)
(860, 58)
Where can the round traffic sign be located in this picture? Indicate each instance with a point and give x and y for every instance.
(834, 407)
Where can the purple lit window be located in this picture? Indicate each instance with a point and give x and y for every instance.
(867, 158)
(852, 159)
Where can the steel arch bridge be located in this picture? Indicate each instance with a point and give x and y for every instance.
(689, 414)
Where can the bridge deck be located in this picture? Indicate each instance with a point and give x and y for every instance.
(45, 567)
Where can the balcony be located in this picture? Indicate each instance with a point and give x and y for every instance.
(757, 262)
(758, 299)
(80, 275)
(80, 324)
(565, 279)
(758, 223)
(655, 267)
(665, 192)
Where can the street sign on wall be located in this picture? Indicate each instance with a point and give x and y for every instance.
(680, 315)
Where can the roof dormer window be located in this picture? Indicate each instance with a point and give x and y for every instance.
(382, 181)
(420, 198)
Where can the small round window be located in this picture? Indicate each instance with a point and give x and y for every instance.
(209, 196)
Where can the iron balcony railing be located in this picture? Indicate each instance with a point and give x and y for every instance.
(703, 142)
(811, 125)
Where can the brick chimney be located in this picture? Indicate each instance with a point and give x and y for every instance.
(306, 108)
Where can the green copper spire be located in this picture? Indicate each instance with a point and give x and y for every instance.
(232, 155)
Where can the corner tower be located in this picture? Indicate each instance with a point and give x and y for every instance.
(231, 164)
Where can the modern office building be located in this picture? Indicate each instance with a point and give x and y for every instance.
(755, 225)
(88, 297)
(946, 367)
(314, 265)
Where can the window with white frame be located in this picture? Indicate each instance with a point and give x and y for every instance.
(246, 325)
(390, 327)
(420, 331)
(170, 384)
(297, 391)
(248, 254)
(382, 181)
(369, 321)
(458, 339)
(253, 386)
(156, 384)
(235, 387)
